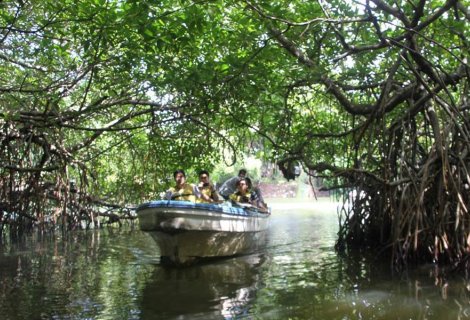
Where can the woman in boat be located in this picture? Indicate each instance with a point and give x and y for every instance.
(182, 191)
(255, 190)
(242, 194)
(230, 185)
(207, 191)
(245, 196)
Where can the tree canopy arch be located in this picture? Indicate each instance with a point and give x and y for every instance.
(371, 95)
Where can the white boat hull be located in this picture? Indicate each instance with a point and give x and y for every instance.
(187, 232)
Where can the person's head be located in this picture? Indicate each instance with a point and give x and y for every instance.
(248, 181)
(204, 176)
(242, 173)
(242, 185)
(180, 177)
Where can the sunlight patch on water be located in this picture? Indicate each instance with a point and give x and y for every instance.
(282, 259)
(294, 204)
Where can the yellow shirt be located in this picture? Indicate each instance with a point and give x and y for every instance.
(239, 198)
(209, 191)
(184, 193)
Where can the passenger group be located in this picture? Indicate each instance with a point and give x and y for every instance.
(238, 189)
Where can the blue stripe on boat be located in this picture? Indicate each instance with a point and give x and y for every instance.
(200, 206)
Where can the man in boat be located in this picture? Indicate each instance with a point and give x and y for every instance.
(230, 185)
(207, 191)
(182, 191)
(244, 195)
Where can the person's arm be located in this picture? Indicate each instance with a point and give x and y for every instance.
(201, 194)
(257, 190)
(256, 201)
(223, 189)
(228, 187)
(168, 194)
(253, 196)
(215, 195)
(196, 191)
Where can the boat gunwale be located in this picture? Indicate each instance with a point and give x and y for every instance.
(185, 207)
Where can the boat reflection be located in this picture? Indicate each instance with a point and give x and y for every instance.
(233, 308)
(205, 291)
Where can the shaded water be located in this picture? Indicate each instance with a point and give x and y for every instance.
(115, 274)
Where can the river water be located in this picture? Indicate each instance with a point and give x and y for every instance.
(114, 273)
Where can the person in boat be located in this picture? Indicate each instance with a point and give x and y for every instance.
(207, 192)
(230, 185)
(182, 191)
(244, 195)
(256, 195)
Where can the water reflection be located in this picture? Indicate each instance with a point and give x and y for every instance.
(306, 279)
(210, 291)
(78, 276)
(115, 274)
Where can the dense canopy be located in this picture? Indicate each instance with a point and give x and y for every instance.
(101, 99)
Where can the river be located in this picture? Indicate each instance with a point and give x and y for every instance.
(114, 273)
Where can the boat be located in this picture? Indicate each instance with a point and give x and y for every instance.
(188, 232)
